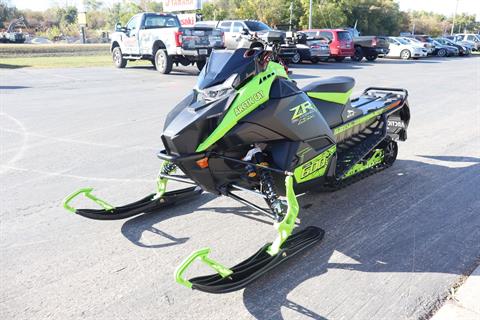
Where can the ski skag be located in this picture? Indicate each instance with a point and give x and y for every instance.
(246, 126)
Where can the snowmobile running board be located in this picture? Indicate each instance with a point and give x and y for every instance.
(236, 278)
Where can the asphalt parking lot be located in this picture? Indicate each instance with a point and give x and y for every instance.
(395, 243)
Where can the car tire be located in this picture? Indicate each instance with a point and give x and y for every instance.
(405, 54)
(339, 59)
(163, 62)
(200, 64)
(296, 58)
(442, 53)
(372, 57)
(358, 55)
(118, 59)
(314, 60)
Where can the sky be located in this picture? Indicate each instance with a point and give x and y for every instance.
(446, 7)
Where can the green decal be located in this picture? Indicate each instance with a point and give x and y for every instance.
(249, 97)
(374, 160)
(285, 227)
(336, 97)
(315, 167)
(301, 109)
(355, 122)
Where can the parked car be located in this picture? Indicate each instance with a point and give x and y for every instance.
(401, 48)
(233, 29)
(425, 40)
(311, 49)
(369, 47)
(470, 37)
(341, 42)
(462, 50)
(159, 37)
(470, 45)
(443, 50)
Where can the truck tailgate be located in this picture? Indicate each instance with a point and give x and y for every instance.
(200, 37)
(382, 42)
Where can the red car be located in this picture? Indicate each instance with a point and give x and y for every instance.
(341, 42)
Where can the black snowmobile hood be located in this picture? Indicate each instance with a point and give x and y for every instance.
(222, 64)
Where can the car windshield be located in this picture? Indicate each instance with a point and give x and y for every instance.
(257, 26)
(402, 41)
(435, 42)
(344, 35)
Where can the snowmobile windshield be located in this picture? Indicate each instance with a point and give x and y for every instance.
(222, 64)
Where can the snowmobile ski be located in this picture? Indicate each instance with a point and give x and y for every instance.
(236, 278)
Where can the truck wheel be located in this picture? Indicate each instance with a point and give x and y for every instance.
(405, 54)
(201, 64)
(358, 55)
(296, 58)
(118, 59)
(163, 62)
(372, 57)
(339, 59)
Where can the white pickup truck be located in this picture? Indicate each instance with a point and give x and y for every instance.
(160, 38)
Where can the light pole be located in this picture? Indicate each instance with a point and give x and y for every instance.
(310, 16)
(454, 16)
(291, 13)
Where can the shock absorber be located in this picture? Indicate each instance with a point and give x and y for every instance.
(168, 168)
(267, 184)
(269, 189)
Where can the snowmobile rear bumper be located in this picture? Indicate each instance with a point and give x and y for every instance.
(236, 278)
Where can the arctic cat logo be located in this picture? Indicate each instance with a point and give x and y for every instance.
(248, 103)
(303, 112)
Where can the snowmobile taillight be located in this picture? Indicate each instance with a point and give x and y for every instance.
(203, 163)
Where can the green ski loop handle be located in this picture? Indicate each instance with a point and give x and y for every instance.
(203, 255)
(88, 194)
(285, 227)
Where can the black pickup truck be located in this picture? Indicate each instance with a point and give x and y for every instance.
(368, 47)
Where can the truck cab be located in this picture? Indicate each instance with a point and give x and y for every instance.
(160, 38)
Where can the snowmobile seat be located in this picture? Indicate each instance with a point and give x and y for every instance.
(335, 84)
(331, 97)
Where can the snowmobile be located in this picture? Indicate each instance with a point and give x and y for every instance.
(248, 127)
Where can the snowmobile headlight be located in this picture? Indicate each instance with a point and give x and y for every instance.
(217, 92)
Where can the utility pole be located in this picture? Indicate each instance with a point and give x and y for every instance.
(291, 13)
(454, 16)
(310, 16)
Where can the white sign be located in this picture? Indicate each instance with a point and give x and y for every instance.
(187, 19)
(181, 5)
